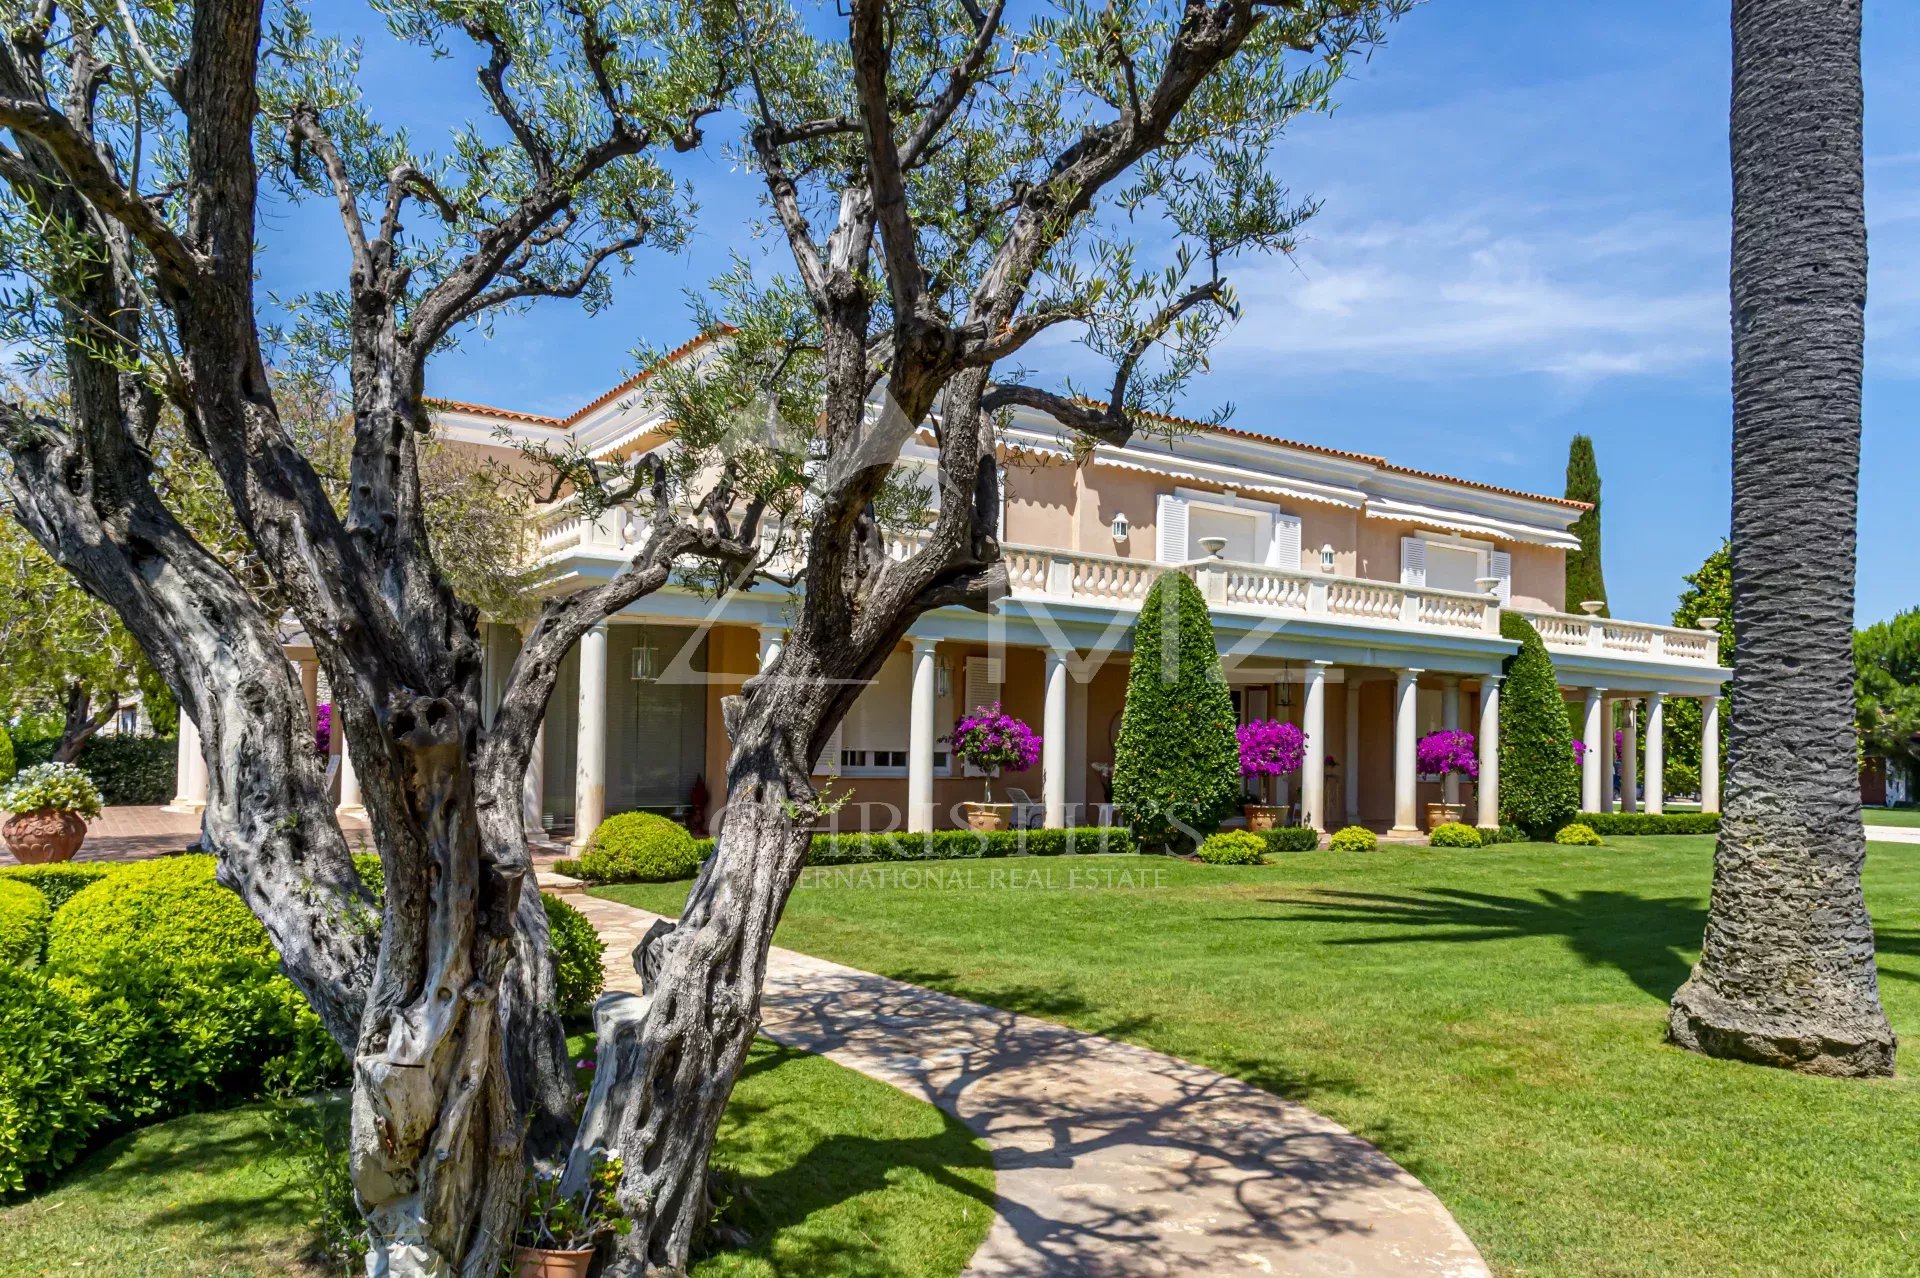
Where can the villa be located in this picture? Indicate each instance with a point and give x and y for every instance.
(1357, 598)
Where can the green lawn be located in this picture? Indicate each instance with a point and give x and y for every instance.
(841, 1176)
(1492, 1019)
(1892, 816)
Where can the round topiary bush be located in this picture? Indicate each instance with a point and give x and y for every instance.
(1454, 835)
(639, 847)
(1293, 838)
(24, 915)
(1576, 836)
(1355, 838)
(1539, 780)
(576, 949)
(1176, 764)
(184, 988)
(1233, 847)
(50, 1080)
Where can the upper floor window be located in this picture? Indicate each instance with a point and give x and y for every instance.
(1254, 532)
(1442, 562)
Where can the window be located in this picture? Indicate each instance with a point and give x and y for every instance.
(1451, 567)
(1453, 563)
(1254, 532)
(1241, 529)
(873, 737)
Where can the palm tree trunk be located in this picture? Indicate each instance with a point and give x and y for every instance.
(1786, 974)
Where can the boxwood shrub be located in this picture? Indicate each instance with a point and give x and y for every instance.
(639, 847)
(1637, 823)
(948, 845)
(1539, 781)
(1292, 838)
(128, 770)
(1491, 835)
(1233, 847)
(23, 925)
(576, 950)
(1576, 836)
(1453, 834)
(58, 881)
(50, 1080)
(1355, 838)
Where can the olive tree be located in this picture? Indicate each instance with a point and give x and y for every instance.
(950, 186)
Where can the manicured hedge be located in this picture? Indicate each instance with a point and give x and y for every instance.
(945, 845)
(576, 950)
(23, 925)
(1233, 847)
(128, 770)
(1292, 838)
(58, 881)
(1576, 835)
(51, 1083)
(639, 847)
(1635, 823)
(1453, 834)
(1355, 838)
(1491, 835)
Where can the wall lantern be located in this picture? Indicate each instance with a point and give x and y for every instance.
(942, 679)
(1120, 527)
(1326, 557)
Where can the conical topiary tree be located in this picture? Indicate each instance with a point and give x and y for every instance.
(1176, 768)
(1584, 579)
(1539, 781)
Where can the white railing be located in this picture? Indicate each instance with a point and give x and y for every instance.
(1565, 632)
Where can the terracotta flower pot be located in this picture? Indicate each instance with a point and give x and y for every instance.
(988, 817)
(1439, 814)
(1263, 816)
(43, 835)
(541, 1262)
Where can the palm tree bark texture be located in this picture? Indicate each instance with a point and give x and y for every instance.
(1786, 974)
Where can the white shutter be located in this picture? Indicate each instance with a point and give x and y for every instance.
(1283, 551)
(1170, 530)
(983, 689)
(1500, 564)
(828, 764)
(1413, 561)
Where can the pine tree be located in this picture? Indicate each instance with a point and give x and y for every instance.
(1585, 580)
(1177, 762)
(1539, 780)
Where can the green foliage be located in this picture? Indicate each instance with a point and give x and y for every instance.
(1539, 781)
(60, 786)
(1681, 778)
(576, 950)
(1585, 580)
(1233, 847)
(184, 990)
(949, 845)
(7, 766)
(1709, 593)
(1576, 836)
(639, 847)
(129, 770)
(1886, 686)
(1493, 835)
(1639, 823)
(313, 1136)
(1355, 838)
(1453, 834)
(1177, 763)
(24, 915)
(59, 881)
(1292, 838)
(50, 1082)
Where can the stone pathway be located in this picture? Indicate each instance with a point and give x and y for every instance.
(1111, 1161)
(1893, 833)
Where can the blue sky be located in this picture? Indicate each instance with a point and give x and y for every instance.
(1524, 236)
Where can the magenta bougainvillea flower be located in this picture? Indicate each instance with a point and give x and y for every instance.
(323, 729)
(1270, 748)
(1448, 750)
(994, 741)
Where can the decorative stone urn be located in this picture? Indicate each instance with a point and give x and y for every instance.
(542, 1262)
(988, 817)
(1439, 814)
(44, 835)
(1263, 816)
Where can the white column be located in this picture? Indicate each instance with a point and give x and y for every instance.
(310, 687)
(1630, 758)
(189, 770)
(1709, 754)
(1313, 767)
(350, 805)
(1656, 753)
(1450, 719)
(533, 787)
(772, 639)
(920, 736)
(1053, 741)
(1352, 777)
(1592, 722)
(1078, 813)
(1607, 754)
(1489, 742)
(590, 753)
(1406, 794)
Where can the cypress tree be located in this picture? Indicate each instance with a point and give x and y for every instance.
(1584, 579)
(1539, 780)
(1176, 768)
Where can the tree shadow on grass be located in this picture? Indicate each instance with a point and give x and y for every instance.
(1902, 942)
(1649, 940)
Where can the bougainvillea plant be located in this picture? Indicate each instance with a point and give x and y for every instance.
(1270, 747)
(323, 730)
(1579, 750)
(1448, 750)
(992, 740)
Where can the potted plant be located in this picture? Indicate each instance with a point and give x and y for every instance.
(560, 1232)
(51, 805)
(1448, 752)
(1268, 748)
(990, 739)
